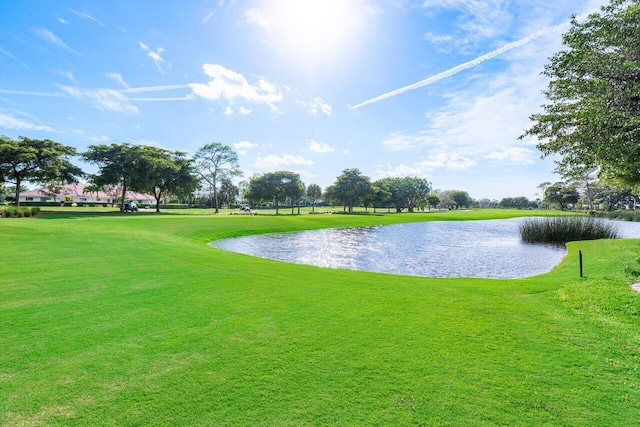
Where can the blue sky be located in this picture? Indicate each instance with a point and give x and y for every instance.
(436, 89)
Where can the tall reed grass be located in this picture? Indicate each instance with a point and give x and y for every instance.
(567, 229)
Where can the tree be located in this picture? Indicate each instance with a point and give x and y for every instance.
(275, 187)
(433, 200)
(314, 192)
(215, 162)
(592, 118)
(119, 165)
(349, 188)
(561, 194)
(165, 172)
(35, 160)
(461, 198)
(406, 192)
(228, 191)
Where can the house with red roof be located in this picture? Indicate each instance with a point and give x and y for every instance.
(78, 193)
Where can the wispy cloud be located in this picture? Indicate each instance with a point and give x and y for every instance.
(86, 16)
(255, 17)
(520, 155)
(477, 19)
(67, 74)
(229, 85)
(426, 168)
(156, 56)
(473, 63)
(27, 93)
(10, 122)
(272, 161)
(155, 88)
(317, 105)
(320, 147)
(242, 147)
(244, 111)
(103, 99)
(63, 21)
(51, 38)
(116, 77)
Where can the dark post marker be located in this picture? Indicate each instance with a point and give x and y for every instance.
(580, 252)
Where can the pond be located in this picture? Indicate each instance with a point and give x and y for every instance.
(487, 249)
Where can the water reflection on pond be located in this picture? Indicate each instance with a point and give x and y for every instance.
(490, 248)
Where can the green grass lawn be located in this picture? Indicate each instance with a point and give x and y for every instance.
(112, 319)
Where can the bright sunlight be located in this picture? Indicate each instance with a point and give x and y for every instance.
(315, 30)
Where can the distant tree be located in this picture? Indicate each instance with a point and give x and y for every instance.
(561, 194)
(314, 192)
(228, 191)
(35, 160)
(433, 200)
(349, 189)
(446, 199)
(406, 192)
(488, 203)
(461, 198)
(380, 195)
(119, 165)
(215, 162)
(166, 172)
(515, 203)
(582, 176)
(275, 187)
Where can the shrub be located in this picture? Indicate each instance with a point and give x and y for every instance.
(566, 229)
(12, 212)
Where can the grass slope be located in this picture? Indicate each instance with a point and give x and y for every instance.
(134, 320)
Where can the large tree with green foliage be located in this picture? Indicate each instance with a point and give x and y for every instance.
(275, 187)
(592, 118)
(166, 172)
(406, 192)
(121, 165)
(349, 188)
(215, 162)
(561, 194)
(35, 160)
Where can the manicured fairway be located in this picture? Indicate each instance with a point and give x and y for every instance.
(134, 320)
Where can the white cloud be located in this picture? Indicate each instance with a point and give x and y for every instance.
(67, 74)
(103, 99)
(320, 147)
(49, 37)
(425, 168)
(515, 155)
(63, 21)
(9, 122)
(316, 106)
(229, 85)
(86, 16)
(156, 56)
(245, 111)
(242, 147)
(272, 161)
(228, 111)
(255, 17)
(116, 77)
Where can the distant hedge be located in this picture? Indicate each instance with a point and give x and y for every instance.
(12, 212)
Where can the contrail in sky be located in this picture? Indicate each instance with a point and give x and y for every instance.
(450, 72)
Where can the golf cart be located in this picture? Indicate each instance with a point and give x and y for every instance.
(129, 206)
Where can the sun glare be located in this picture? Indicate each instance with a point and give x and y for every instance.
(315, 30)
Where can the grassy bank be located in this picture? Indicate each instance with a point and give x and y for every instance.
(134, 320)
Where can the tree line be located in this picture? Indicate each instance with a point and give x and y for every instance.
(126, 167)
